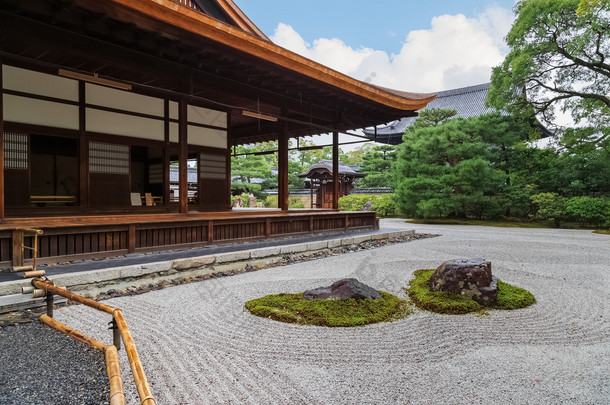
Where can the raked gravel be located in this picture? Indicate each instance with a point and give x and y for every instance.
(199, 345)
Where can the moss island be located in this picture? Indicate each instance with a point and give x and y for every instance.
(329, 312)
(509, 297)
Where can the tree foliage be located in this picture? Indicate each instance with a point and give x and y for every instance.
(377, 165)
(455, 168)
(558, 63)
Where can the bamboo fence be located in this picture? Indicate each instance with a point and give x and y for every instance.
(117, 397)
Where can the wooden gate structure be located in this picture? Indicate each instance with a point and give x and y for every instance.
(99, 98)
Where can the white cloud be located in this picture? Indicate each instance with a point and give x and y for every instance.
(454, 52)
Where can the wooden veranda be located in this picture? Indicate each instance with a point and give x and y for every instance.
(73, 238)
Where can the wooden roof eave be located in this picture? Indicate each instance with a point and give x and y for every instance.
(183, 18)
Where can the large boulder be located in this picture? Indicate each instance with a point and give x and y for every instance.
(342, 290)
(468, 277)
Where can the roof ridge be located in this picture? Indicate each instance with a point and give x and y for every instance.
(464, 90)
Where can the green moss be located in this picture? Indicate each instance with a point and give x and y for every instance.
(509, 297)
(602, 232)
(292, 309)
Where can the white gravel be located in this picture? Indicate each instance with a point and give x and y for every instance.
(198, 345)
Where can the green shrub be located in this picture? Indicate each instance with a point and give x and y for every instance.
(516, 201)
(550, 206)
(384, 205)
(271, 201)
(293, 202)
(354, 202)
(330, 312)
(589, 210)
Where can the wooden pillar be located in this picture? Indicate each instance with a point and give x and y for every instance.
(183, 157)
(165, 159)
(335, 170)
(83, 150)
(1, 147)
(282, 177)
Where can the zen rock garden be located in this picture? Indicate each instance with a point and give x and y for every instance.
(457, 286)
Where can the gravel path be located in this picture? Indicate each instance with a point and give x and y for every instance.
(198, 345)
(39, 365)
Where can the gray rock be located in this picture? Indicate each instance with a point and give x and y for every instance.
(468, 277)
(343, 289)
(367, 206)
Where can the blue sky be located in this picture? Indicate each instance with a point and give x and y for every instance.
(411, 45)
(378, 24)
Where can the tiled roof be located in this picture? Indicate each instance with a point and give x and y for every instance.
(468, 101)
(327, 165)
(174, 175)
(372, 190)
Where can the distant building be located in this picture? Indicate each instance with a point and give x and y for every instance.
(320, 177)
(468, 101)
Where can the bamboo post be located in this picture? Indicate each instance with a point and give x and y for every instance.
(117, 396)
(71, 332)
(139, 377)
(49, 287)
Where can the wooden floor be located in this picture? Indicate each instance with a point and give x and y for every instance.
(94, 236)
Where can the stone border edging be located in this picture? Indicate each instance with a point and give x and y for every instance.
(94, 282)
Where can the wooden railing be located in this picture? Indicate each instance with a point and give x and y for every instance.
(74, 242)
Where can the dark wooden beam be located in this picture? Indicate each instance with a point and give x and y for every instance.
(282, 178)
(1, 146)
(336, 170)
(83, 150)
(183, 156)
(165, 169)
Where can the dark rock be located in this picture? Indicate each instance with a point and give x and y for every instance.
(367, 206)
(468, 277)
(343, 289)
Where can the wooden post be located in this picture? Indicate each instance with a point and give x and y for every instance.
(183, 156)
(1, 147)
(17, 248)
(210, 231)
(282, 178)
(165, 169)
(335, 170)
(131, 238)
(49, 300)
(83, 150)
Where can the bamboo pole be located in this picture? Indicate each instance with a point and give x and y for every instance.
(137, 370)
(33, 273)
(117, 396)
(139, 377)
(49, 287)
(71, 332)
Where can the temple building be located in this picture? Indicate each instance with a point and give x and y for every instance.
(467, 101)
(102, 101)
